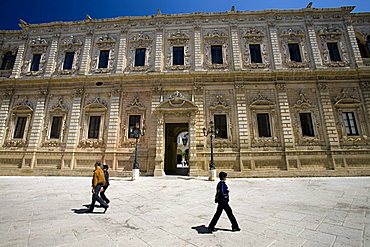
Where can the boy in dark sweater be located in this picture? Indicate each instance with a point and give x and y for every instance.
(222, 198)
(105, 187)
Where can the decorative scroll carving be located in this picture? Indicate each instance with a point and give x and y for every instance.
(69, 44)
(294, 36)
(37, 46)
(105, 42)
(179, 38)
(254, 36)
(216, 37)
(140, 40)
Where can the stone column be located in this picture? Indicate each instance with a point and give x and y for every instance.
(37, 125)
(329, 119)
(192, 144)
(121, 56)
(4, 113)
(159, 148)
(74, 125)
(286, 121)
(198, 55)
(235, 46)
(276, 54)
(158, 63)
(51, 60)
(86, 54)
(199, 117)
(18, 61)
(314, 44)
(365, 88)
(112, 139)
(353, 43)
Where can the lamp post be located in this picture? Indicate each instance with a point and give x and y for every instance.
(136, 133)
(211, 131)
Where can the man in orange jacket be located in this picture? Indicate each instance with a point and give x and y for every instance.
(98, 182)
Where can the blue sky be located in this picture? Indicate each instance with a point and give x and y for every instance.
(41, 11)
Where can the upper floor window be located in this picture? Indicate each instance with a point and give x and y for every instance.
(306, 124)
(8, 61)
(140, 57)
(178, 55)
(134, 120)
(20, 127)
(255, 51)
(368, 44)
(220, 126)
(94, 127)
(35, 65)
(263, 122)
(56, 127)
(294, 52)
(334, 52)
(68, 60)
(216, 53)
(103, 59)
(350, 123)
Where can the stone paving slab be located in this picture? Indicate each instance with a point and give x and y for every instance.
(174, 211)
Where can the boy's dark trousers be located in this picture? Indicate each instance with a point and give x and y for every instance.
(224, 206)
(96, 197)
(102, 194)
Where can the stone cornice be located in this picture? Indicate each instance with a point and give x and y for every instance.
(125, 20)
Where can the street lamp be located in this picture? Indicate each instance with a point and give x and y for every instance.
(136, 133)
(211, 131)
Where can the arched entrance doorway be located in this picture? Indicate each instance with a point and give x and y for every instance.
(176, 161)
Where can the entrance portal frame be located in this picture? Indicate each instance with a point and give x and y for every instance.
(177, 109)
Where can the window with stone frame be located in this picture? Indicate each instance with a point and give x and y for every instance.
(216, 49)
(8, 60)
(254, 49)
(263, 124)
(306, 124)
(35, 57)
(364, 47)
(133, 121)
(104, 55)
(69, 55)
(137, 41)
(216, 53)
(19, 125)
(334, 53)
(94, 121)
(332, 44)
(103, 59)
(177, 50)
(56, 127)
(350, 124)
(294, 52)
(294, 49)
(35, 65)
(140, 57)
(220, 125)
(178, 55)
(68, 60)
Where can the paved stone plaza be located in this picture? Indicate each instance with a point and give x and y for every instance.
(173, 211)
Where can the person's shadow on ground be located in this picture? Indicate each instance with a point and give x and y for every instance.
(85, 210)
(202, 229)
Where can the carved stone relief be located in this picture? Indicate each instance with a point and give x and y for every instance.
(254, 36)
(105, 42)
(36, 46)
(174, 39)
(294, 35)
(216, 37)
(140, 40)
(69, 44)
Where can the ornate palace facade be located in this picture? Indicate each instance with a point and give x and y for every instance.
(288, 92)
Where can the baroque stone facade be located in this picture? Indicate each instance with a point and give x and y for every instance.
(287, 90)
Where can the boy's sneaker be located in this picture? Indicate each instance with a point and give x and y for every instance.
(211, 229)
(236, 229)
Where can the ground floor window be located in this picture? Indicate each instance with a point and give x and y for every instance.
(350, 123)
(263, 122)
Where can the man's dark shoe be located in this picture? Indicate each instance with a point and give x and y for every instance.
(107, 201)
(211, 229)
(105, 209)
(236, 229)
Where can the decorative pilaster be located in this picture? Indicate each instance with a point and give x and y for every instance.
(4, 113)
(121, 57)
(241, 105)
(328, 112)
(199, 117)
(314, 44)
(159, 50)
(353, 43)
(286, 119)
(74, 126)
(86, 55)
(235, 46)
(18, 61)
(365, 88)
(275, 46)
(159, 148)
(36, 127)
(197, 48)
(113, 120)
(51, 61)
